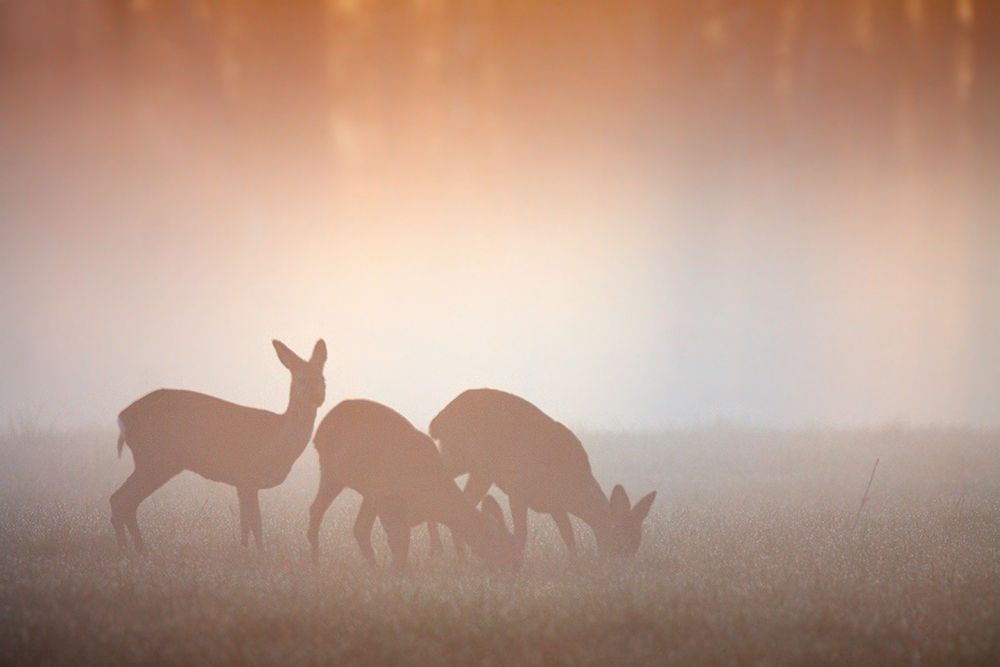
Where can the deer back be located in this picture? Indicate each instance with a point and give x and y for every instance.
(516, 445)
(182, 429)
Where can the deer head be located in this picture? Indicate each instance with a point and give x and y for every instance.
(501, 550)
(308, 386)
(626, 522)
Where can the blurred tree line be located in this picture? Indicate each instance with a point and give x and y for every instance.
(711, 93)
(894, 79)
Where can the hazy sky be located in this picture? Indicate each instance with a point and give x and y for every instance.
(611, 283)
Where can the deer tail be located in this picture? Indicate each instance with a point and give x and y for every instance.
(121, 436)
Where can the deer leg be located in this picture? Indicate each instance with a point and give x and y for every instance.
(118, 514)
(398, 536)
(250, 516)
(244, 520)
(363, 530)
(475, 488)
(329, 489)
(519, 515)
(565, 530)
(126, 500)
(435, 535)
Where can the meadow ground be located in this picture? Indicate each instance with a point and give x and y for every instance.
(754, 553)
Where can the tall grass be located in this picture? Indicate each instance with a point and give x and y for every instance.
(751, 556)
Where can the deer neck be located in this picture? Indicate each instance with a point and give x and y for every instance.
(296, 424)
(593, 508)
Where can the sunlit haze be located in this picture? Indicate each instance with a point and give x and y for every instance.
(725, 273)
(634, 218)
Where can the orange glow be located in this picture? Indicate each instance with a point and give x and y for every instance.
(639, 214)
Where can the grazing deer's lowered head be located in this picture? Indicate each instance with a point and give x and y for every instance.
(500, 552)
(625, 531)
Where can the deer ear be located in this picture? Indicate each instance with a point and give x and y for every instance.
(641, 508)
(493, 515)
(619, 501)
(288, 358)
(318, 357)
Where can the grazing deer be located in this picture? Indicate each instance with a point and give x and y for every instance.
(170, 430)
(501, 439)
(399, 473)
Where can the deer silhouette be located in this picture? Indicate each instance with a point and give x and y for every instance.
(171, 430)
(499, 438)
(399, 473)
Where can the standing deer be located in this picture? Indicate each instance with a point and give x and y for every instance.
(399, 473)
(502, 439)
(170, 430)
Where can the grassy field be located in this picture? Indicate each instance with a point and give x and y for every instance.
(754, 553)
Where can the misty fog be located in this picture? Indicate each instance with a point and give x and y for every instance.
(772, 213)
(748, 251)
